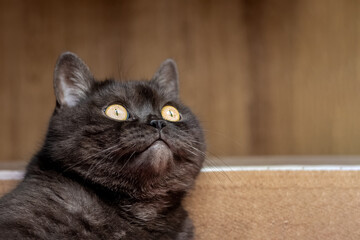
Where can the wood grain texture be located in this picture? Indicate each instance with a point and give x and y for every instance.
(265, 77)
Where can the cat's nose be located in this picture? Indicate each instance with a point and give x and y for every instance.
(159, 124)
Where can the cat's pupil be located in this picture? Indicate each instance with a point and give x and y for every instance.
(116, 112)
(171, 114)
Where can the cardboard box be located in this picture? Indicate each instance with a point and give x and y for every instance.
(272, 205)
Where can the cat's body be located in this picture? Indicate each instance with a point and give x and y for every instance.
(97, 177)
(48, 208)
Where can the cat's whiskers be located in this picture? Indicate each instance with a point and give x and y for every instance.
(208, 160)
(109, 155)
(88, 158)
(127, 161)
(204, 155)
(94, 165)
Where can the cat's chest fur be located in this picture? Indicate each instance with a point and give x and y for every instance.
(65, 210)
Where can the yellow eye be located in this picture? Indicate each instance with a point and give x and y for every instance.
(116, 112)
(170, 113)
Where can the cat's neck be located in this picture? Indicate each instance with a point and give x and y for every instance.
(144, 208)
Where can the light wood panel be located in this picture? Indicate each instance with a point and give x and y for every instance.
(265, 77)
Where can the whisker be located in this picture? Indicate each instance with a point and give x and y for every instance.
(89, 157)
(208, 160)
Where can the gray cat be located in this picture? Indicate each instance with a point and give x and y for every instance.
(117, 161)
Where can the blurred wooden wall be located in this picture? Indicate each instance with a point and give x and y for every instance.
(264, 77)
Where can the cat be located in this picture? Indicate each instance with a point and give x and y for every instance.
(116, 163)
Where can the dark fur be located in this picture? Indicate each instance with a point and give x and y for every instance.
(96, 178)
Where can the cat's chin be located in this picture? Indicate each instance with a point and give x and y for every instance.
(157, 158)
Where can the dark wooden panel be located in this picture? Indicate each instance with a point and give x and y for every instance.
(265, 77)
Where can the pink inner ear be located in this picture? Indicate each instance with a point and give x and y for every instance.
(70, 97)
(69, 90)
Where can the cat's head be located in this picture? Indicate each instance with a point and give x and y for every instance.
(130, 136)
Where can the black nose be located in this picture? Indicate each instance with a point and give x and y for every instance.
(159, 124)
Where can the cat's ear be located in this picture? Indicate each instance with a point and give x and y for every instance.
(167, 78)
(72, 80)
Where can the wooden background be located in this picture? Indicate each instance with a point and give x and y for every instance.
(270, 77)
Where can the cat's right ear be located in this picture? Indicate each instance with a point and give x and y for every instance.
(167, 78)
(72, 80)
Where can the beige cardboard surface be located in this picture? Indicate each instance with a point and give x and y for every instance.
(273, 205)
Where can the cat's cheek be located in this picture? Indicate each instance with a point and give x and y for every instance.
(156, 160)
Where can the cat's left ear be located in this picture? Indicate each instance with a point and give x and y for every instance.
(167, 78)
(72, 80)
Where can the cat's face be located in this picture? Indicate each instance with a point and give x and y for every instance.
(119, 135)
